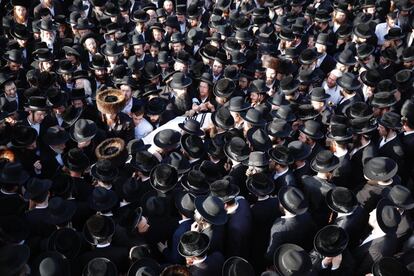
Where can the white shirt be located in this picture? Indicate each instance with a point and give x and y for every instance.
(143, 129)
(408, 132)
(320, 60)
(373, 236)
(277, 175)
(357, 149)
(334, 93)
(128, 107)
(410, 40)
(59, 159)
(384, 140)
(380, 31)
(35, 126)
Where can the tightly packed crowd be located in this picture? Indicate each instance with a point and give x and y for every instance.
(192, 137)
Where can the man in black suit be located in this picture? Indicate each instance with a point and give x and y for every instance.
(350, 91)
(280, 161)
(295, 226)
(407, 139)
(54, 6)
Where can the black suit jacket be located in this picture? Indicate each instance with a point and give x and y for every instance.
(394, 149)
(287, 179)
(328, 64)
(408, 143)
(295, 230)
(354, 224)
(370, 194)
(340, 109)
(12, 204)
(171, 252)
(211, 266)
(346, 268)
(358, 160)
(342, 173)
(38, 222)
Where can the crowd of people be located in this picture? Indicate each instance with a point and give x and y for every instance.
(192, 137)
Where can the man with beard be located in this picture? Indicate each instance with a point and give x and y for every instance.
(404, 15)
(48, 34)
(340, 17)
(180, 101)
(381, 30)
(99, 67)
(322, 19)
(11, 93)
(138, 44)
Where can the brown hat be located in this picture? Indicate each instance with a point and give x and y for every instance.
(110, 101)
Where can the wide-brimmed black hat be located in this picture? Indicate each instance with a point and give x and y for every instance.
(100, 266)
(14, 229)
(299, 150)
(70, 116)
(144, 266)
(389, 266)
(37, 103)
(13, 173)
(207, 78)
(318, 94)
(258, 86)
(66, 241)
(388, 216)
(98, 228)
(281, 155)
(339, 133)
(390, 120)
(293, 200)
(257, 159)
(346, 57)
(131, 190)
(371, 77)
(288, 85)
(76, 160)
(99, 62)
(362, 125)
(325, 161)
(111, 48)
(163, 177)
(278, 128)
(284, 112)
(341, 200)
(13, 257)
(401, 197)
(56, 98)
(195, 183)
(322, 15)
(258, 139)
(254, 117)
(394, 33)
(222, 118)
(37, 189)
(308, 56)
(179, 81)
(103, 170)
(193, 244)
(359, 110)
(14, 55)
(383, 100)
(331, 241)
(155, 106)
(193, 145)
(224, 88)
(380, 168)
(60, 210)
(224, 189)
(237, 149)
(362, 30)
(167, 138)
(211, 209)
(23, 136)
(65, 67)
(140, 16)
(365, 50)
(83, 130)
(312, 129)
(144, 161)
(191, 126)
(78, 94)
(55, 136)
(260, 184)
(102, 199)
(20, 31)
(237, 104)
(235, 266)
(47, 24)
(291, 259)
(349, 82)
(178, 161)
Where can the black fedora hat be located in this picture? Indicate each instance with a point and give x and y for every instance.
(184, 202)
(237, 266)
(144, 266)
(193, 244)
(13, 257)
(37, 103)
(383, 100)
(224, 88)
(51, 263)
(65, 67)
(281, 155)
(20, 31)
(339, 133)
(167, 138)
(14, 55)
(13, 173)
(111, 48)
(401, 197)
(131, 190)
(291, 259)
(331, 241)
(99, 62)
(390, 120)
(278, 128)
(211, 209)
(254, 117)
(346, 57)
(102, 199)
(156, 106)
(178, 161)
(257, 159)
(288, 85)
(408, 54)
(359, 110)
(363, 125)
(47, 24)
(308, 56)
(55, 136)
(5, 78)
(365, 50)
(163, 177)
(14, 229)
(140, 16)
(362, 30)
(144, 161)
(318, 94)
(103, 170)
(237, 104)
(299, 150)
(193, 145)
(207, 78)
(258, 139)
(312, 129)
(76, 160)
(404, 78)
(83, 130)
(293, 200)
(341, 200)
(260, 184)
(66, 241)
(23, 136)
(100, 266)
(195, 183)
(284, 112)
(324, 162)
(180, 80)
(237, 149)
(389, 266)
(380, 168)
(394, 33)
(191, 126)
(37, 189)
(370, 77)
(60, 210)
(56, 98)
(388, 216)
(70, 116)
(258, 86)
(222, 118)
(349, 82)
(98, 228)
(224, 189)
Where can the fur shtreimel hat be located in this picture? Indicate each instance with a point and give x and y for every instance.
(112, 149)
(110, 101)
(271, 63)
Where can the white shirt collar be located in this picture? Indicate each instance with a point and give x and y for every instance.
(183, 220)
(408, 132)
(277, 175)
(103, 245)
(196, 262)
